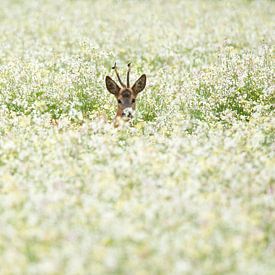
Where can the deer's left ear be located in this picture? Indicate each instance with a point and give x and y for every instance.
(111, 86)
(139, 84)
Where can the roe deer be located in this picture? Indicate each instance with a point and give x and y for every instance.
(125, 95)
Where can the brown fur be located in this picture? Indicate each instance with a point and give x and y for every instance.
(125, 95)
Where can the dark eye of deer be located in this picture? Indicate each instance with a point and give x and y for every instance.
(133, 100)
(119, 101)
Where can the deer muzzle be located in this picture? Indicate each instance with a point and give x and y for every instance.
(128, 113)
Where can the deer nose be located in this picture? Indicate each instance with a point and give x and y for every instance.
(127, 112)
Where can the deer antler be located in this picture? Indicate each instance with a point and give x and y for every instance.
(115, 68)
(128, 75)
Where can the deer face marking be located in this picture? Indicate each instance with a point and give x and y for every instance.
(125, 95)
(126, 103)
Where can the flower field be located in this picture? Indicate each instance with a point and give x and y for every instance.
(188, 188)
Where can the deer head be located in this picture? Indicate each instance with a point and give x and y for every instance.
(125, 95)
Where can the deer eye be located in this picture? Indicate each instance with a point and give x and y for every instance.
(133, 100)
(119, 101)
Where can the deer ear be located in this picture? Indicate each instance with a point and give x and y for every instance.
(111, 86)
(139, 84)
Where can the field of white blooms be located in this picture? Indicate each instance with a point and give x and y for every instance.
(188, 189)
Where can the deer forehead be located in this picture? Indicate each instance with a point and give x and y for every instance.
(126, 93)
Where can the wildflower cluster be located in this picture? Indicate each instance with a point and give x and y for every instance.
(187, 189)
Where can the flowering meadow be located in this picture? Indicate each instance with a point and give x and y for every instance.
(187, 188)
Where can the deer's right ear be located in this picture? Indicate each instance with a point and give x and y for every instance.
(139, 84)
(111, 86)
